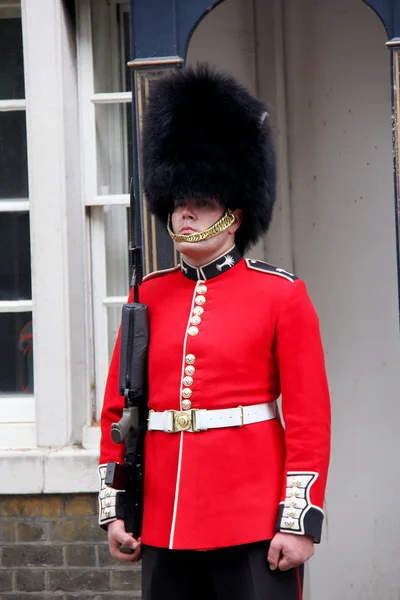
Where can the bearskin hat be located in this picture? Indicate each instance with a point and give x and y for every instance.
(205, 135)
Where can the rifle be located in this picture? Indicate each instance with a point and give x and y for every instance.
(131, 428)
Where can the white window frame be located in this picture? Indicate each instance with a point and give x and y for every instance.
(61, 138)
(56, 461)
(94, 201)
(17, 411)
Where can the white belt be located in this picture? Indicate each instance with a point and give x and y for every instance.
(195, 420)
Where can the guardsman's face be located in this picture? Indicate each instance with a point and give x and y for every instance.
(193, 215)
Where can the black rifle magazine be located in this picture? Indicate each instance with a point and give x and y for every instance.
(134, 349)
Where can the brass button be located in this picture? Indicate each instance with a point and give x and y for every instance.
(190, 359)
(291, 515)
(186, 392)
(106, 512)
(107, 502)
(198, 310)
(195, 320)
(293, 503)
(187, 381)
(200, 300)
(289, 524)
(190, 371)
(201, 289)
(193, 331)
(186, 405)
(294, 492)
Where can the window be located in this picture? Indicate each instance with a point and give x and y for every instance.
(16, 340)
(43, 370)
(50, 424)
(64, 212)
(105, 117)
(105, 104)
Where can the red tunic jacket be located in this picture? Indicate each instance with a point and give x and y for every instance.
(258, 338)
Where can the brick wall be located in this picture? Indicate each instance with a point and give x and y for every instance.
(52, 547)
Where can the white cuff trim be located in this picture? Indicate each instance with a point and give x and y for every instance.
(107, 499)
(297, 502)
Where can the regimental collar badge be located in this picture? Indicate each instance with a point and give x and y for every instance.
(220, 265)
(228, 261)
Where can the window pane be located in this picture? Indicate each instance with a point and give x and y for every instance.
(116, 232)
(114, 321)
(12, 61)
(15, 257)
(13, 155)
(112, 157)
(16, 353)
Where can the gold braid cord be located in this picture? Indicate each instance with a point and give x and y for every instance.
(223, 223)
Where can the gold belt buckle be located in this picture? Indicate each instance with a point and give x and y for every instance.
(184, 420)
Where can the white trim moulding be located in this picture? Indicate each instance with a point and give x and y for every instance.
(15, 306)
(112, 98)
(109, 200)
(114, 301)
(20, 205)
(16, 408)
(49, 470)
(12, 105)
(10, 4)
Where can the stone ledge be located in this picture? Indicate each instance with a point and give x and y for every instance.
(49, 470)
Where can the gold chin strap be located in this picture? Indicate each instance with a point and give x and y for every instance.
(227, 219)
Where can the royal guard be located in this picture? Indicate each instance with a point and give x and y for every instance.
(233, 493)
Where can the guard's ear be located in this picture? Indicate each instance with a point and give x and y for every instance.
(238, 220)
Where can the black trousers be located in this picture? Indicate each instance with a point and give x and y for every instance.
(235, 573)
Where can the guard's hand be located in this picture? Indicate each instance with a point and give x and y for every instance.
(288, 550)
(117, 536)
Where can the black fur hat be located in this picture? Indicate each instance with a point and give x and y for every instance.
(205, 135)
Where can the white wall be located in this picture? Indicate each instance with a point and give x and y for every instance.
(226, 39)
(324, 69)
(245, 38)
(344, 246)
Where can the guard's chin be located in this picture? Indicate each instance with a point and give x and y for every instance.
(194, 248)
